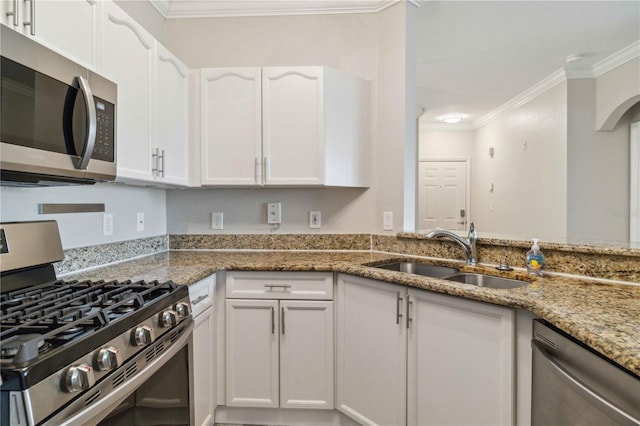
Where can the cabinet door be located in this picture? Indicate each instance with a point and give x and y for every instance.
(128, 60)
(371, 351)
(306, 354)
(460, 368)
(203, 367)
(172, 89)
(231, 126)
(252, 353)
(293, 123)
(66, 26)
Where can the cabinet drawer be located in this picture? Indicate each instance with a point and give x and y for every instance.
(201, 295)
(280, 285)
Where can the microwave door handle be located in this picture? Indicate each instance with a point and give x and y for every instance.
(83, 160)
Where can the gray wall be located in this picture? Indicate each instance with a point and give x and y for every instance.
(84, 229)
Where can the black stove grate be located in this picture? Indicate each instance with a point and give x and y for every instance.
(60, 312)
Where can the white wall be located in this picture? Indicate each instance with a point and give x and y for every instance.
(371, 46)
(616, 91)
(530, 186)
(597, 172)
(529, 197)
(440, 144)
(84, 229)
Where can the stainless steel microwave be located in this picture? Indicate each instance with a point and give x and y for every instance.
(57, 118)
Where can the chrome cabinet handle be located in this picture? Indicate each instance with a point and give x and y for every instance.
(273, 320)
(409, 305)
(598, 400)
(82, 161)
(14, 13)
(272, 286)
(255, 171)
(282, 320)
(162, 157)
(265, 169)
(398, 312)
(154, 162)
(199, 299)
(32, 22)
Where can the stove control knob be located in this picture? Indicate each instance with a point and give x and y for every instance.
(142, 335)
(77, 378)
(168, 318)
(108, 358)
(183, 309)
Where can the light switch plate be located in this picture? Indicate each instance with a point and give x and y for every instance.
(387, 221)
(217, 220)
(315, 219)
(107, 224)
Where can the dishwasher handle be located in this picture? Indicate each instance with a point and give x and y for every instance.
(596, 399)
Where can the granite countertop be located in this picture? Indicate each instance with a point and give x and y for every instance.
(605, 316)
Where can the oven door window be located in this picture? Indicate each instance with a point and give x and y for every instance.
(162, 400)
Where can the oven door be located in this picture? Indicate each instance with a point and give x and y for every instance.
(160, 394)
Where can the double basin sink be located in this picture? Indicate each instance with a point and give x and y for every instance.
(453, 274)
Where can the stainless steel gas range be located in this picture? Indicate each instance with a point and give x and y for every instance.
(86, 352)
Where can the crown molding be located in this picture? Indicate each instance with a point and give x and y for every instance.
(176, 9)
(417, 3)
(161, 6)
(524, 97)
(620, 57)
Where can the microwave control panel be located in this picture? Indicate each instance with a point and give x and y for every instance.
(105, 135)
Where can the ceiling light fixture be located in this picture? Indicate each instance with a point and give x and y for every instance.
(452, 118)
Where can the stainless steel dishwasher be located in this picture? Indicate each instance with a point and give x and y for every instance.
(573, 385)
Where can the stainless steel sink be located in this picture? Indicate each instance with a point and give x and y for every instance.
(485, 280)
(427, 270)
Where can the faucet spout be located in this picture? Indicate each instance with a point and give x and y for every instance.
(468, 244)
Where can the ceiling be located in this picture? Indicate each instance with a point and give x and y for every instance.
(476, 57)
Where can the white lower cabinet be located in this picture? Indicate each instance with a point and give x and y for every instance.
(460, 361)
(371, 351)
(279, 353)
(413, 357)
(204, 401)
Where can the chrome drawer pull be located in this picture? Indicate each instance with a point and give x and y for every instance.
(199, 299)
(272, 286)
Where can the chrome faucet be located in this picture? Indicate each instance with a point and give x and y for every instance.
(468, 244)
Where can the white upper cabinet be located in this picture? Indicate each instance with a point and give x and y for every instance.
(128, 59)
(171, 120)
(69, 27)
(231, 126)
(284, 126)
(293, 131)
(153, 96)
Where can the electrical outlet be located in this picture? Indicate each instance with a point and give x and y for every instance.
(107, 224)
(140, 222)
(387, 221)
(315, 219)
(216, 220)
(274, 213)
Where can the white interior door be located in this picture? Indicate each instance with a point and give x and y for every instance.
(634, 207)
(443, 195)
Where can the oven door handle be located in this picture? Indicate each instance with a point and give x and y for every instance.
(103, 407)
(596, 399)
(82, 161)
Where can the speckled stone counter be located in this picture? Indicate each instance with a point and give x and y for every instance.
(605, 316)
